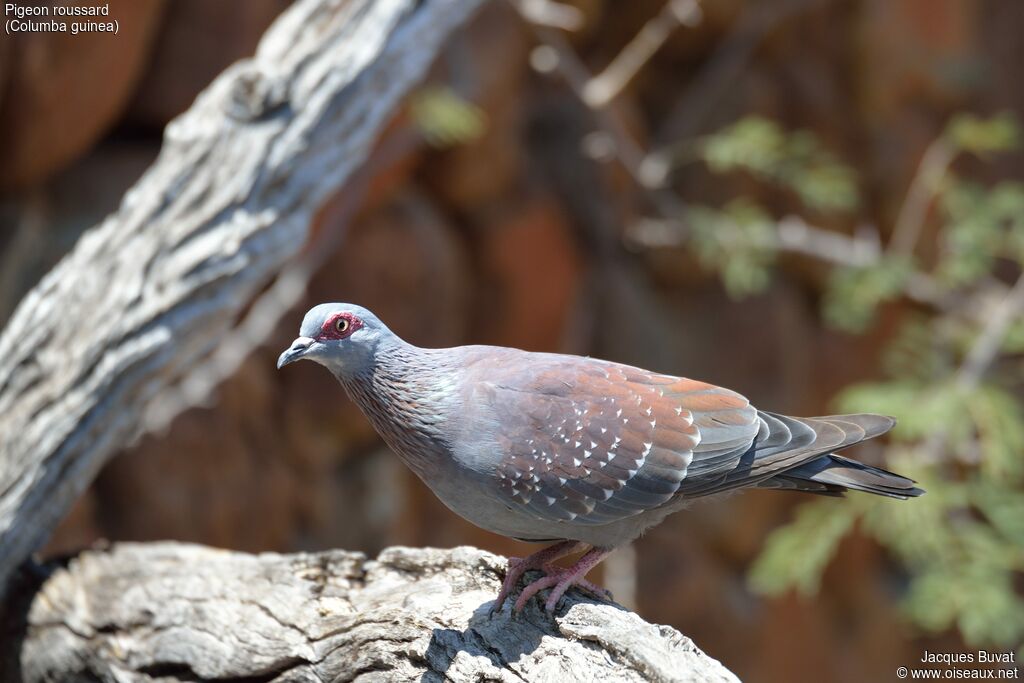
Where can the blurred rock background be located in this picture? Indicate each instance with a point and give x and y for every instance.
(518, 236)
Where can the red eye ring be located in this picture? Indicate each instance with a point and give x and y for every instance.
(340, 326)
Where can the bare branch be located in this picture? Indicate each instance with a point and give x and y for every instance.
(796, 235)
(602, 89)
(726, 65)
(556, 54)
(620, 575)
(793, 234)
(649, 170)
(986, 347)
(549, 13)
(932, 169)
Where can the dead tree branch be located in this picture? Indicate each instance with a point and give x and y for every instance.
(144, 297)
(173, 612)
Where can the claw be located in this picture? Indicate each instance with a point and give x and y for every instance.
(512, 577)
(560, 580)
(568, 582)
(517, 566)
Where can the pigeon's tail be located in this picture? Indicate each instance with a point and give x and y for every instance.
(799, 454)
(832, 474)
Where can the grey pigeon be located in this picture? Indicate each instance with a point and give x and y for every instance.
(578, 452)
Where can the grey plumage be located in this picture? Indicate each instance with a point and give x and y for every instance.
(543, 446)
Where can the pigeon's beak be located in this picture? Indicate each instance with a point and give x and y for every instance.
(294, 352)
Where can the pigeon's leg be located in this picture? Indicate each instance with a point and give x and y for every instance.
(517, 566)
(562, 579)
(575, 574)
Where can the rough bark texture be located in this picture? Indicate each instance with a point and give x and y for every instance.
(159, 284)
(172, 612)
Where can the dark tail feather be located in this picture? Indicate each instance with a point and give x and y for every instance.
(833, 474)
(872, 424)
(797, 454)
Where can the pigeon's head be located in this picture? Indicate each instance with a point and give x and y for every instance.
(341, 337)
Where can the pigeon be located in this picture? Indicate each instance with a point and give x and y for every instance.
(580, 453)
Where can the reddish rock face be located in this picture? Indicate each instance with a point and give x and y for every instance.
(197, 41)
(534, 272)
(61, 93)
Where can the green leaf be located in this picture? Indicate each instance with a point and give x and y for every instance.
(1003, 507)
(795, 555)
(735, 242)
(981, 136)
(963, 541)
(1013, 342)
(854, 294)
(975, 596)
(1000, 425)
(921, 408)
(753, 143)
(917, 531)
(794, 160)
(917, 352)
(987, 414)
(445, 119)
(981, 226)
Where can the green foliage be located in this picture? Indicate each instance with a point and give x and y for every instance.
(984, 419)
(963, 564)
(797, 553)
(854, 294)
(738, 240)
(735, 241)
(1003, 507)
(974, 596)
(917, 533)
(1000, 426)
(913, 353)
(921, 408)
(445, 119)
(794, 160)
(969, 133)
(1014, 342)
(962, 438)
(982, 226)
(964, 540)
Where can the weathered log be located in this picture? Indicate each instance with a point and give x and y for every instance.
(174, 612)
(154, 289)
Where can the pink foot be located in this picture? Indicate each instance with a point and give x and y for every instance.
(560, 580)
(517, 566)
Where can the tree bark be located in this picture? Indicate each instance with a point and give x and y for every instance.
(144, 297)
(175, 612)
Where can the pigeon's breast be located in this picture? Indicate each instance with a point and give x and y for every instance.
(411, 412)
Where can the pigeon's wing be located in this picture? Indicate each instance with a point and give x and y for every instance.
(593, 442)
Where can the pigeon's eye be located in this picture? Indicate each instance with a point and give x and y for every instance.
(340, 326)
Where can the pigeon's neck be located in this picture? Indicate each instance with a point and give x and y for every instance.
(407, 393)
